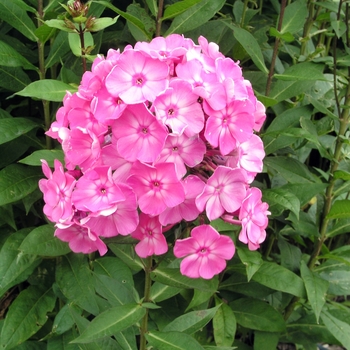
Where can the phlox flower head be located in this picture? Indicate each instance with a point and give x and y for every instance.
(253, 215)
(205, 252)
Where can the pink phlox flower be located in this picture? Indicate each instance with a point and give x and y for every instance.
(83, 118)
(205, 252)
(81, 148)
(139, 135)
(249, 156)
(106, 107)
(170, 49)
(187, 210)
(57, 190)
(179, 109)
(209, 49)
(253, 215)
(89, 85)
(182, 150)
(137, 78)
(123, 221)
(157, 187)
(204, 83)
(111, 158)
(81, 239)
(259, 111)
(227, 126)
(97, 192)
(101, 66)
(152, 240)
(223, 192)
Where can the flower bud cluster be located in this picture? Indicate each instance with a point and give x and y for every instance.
(157, 134)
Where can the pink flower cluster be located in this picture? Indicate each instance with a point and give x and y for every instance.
(159, 133)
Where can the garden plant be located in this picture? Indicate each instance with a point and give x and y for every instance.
(174, 174)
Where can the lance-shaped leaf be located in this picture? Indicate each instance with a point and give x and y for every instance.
(47, 89)
(173, 277)
(9, 57)
(41, 241)
(172, 341)
(257, 314)
(224, 324)
(316, 288)
(340, 209)
(11, 128)
(174, 10)
(251, 259)
(49, 155)
(339, 329)
(26, 315)
(74, 278)
(13, 79)
(191, 322)
(279, 278)
(17, 181)
(294, 17)
(18, 18)
(250, 44)
(195, 16)
(111, 321)
(15, 266)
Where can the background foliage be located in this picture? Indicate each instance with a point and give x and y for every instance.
(293, 290)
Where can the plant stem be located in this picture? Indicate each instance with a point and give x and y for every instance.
(308, 25)
(42, 72)
(275, 50)
(146, 298)
(159, 17)
(244, 12)
(82, 45)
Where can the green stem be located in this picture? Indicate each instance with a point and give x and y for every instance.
(159, 17)
(275, 50)
(42, 73)
(147, 298)
(82, 44)
(308, 25)
(244, 12)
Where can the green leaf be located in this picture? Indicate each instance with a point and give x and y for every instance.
(61, 25)
(250, 44)
(176, 9)
(283, 90)
(126, 253)
(48, 89)
(74, 278)
(153, 7)
(75, 43)
(338, 26)
(17, 17)
(290, 169)
(303, 71)
(340, 226)
(224, 325)
(172, 341)
(15, 266)
(11, 128)
(279, 278)
(191, 322)
(339, 280)
(267, 340)
(148, 23)
(294, 17)
(280, 200)
(111, 321)
(173, 277)
(290, 255)
(35, 158)
(58, 50)
(13, 79)
(340, 209)
(44, 33)
(251, 259)
(17, 181)
(199, 297)
(340, 329)
(257, 314)
(132, 19)
(160, 292)
(63, 320)
(316, 289)
(41, 241)
(9, 57)
(195, 16)
(102, 23)
(26, 315)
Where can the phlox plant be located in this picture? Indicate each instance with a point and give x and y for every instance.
(156, 135)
